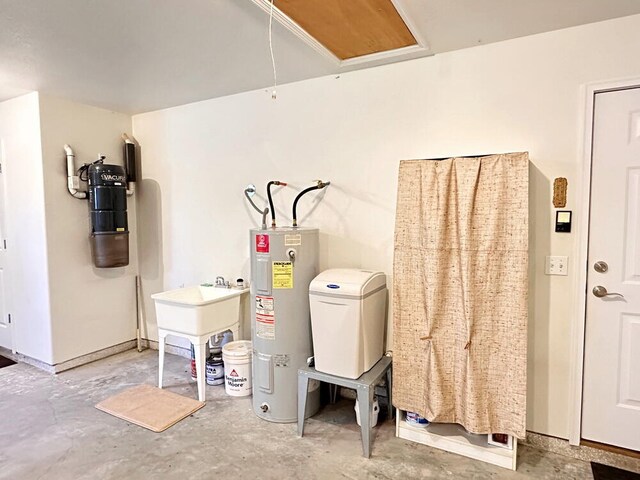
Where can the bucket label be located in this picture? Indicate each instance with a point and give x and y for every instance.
(235, 381)
(281, 360)
(292, 240)
(215, 373)
(282, 273)
(262, 243)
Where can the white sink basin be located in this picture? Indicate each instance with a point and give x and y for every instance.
(198, 310)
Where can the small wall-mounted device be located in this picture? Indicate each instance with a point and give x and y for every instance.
(563, 221)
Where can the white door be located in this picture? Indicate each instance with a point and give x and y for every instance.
(611, 390)
(5, 325)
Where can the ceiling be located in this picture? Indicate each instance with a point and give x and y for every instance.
(141, 55)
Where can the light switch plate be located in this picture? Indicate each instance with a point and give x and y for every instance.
(556, 265)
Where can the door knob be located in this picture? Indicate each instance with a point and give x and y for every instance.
(600, 292)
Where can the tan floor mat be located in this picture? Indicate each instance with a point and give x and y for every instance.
(150, 407)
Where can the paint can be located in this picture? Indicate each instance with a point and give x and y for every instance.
(416, 420)
(194, 371)
(215, 370)
(237, 368)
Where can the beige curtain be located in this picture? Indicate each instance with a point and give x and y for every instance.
(460, 291)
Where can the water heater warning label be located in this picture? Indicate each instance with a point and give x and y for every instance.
(264, 304)
(282, 275)
(291, 240)
(262, 243)
(281, 360)
(265, 318)
(266, 326)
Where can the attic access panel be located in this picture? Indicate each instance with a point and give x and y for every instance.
(351, 28)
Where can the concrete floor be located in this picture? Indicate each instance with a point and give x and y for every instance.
(49, 429)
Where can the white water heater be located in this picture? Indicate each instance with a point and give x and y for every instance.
(283, 263)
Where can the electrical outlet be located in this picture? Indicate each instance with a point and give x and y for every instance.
(556, 265)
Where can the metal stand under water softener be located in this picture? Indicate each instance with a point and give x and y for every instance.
(283, 263)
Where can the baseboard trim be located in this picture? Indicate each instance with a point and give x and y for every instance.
(92, 357)
(153, 345)
(585, 453)
(72, 363)
(610, 448)
(18, 357)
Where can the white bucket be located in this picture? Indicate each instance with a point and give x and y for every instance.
(375, 410)
(237, 368)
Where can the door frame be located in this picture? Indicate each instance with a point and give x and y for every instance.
(579, 301)
(4, 287)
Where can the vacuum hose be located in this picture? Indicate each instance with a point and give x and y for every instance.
(318, 186)
(273, 211)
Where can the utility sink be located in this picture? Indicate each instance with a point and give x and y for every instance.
(198, 310)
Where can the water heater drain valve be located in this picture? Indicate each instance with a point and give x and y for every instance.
(264, 407)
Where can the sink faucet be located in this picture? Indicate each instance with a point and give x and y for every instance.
(220, 283)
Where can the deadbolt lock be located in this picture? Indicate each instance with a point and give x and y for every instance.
(601, 267)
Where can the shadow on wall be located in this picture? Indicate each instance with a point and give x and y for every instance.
(539, 291)
(338, 251)
(245, 318)
(150, 260)
(107, 272)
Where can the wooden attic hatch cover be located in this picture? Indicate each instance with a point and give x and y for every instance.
(350, 28)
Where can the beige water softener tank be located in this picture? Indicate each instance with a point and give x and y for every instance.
(348, 310)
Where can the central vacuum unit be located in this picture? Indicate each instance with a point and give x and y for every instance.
(108, 187)
(284, 260)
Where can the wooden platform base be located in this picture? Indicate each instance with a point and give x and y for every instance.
(453, 438)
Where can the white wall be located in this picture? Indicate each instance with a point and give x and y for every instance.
(27, 284)
(523, 94)
(61, 306)
(91, 308)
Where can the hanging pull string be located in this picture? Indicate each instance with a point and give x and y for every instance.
(273, 61)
